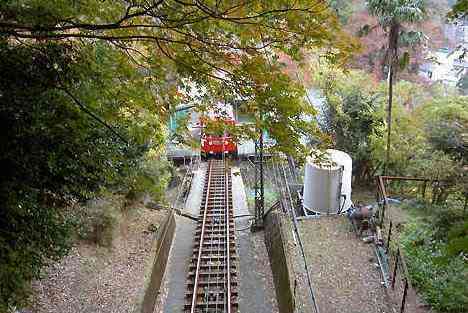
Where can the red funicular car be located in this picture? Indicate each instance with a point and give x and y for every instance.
(217, 145)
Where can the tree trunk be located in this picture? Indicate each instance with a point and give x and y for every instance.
(393, 55)
(389, 117)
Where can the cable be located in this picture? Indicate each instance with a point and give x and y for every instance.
(299, 240)
(294, 218)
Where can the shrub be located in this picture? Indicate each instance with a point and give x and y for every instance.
(458, 239)
(415, 204)
(98, 220)
(440, 277)
(442, 217)
(445, 217)
(151, 177)
(32, 236)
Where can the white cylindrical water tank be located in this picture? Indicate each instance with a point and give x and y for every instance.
(321, 187)
(344, 160)
(327, 182)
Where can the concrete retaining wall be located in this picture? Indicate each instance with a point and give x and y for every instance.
(163, 242)
(276, 243)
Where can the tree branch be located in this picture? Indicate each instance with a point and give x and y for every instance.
(94, 116)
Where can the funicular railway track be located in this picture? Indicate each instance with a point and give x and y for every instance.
(212, 279)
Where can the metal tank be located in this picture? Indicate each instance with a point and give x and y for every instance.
(327, 183)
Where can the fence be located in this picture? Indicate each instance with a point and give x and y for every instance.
(437, 189)
(401, 288)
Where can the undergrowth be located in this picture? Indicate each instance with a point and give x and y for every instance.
(436, 249)
(98, 220)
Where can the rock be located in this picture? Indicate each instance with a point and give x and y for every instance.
(153, 205)
(152, 228)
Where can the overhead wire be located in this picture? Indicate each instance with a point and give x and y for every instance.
(294, 218)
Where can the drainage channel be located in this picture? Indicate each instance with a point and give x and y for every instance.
(212, 279)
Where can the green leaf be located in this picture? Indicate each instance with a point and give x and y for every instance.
(404, 60)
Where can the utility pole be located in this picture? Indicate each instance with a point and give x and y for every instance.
(259, 184)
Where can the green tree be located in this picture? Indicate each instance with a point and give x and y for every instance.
(446, 124)
(218, 47)
(352, 118)
(88, 86)
(56, 150)
(343, 8)
(459, 10)
(428, 139)
(393, 15)
(407, 140)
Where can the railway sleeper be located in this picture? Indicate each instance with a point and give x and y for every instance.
(220, 205)
(214, 293)
(214, 222)
(214, 240)
(214, 305)
(221, 235)
(216, 219)
(211, 265)
(221, 211)
(211, 274)
(210, 215)
(211, 251)
(215, 236)
(217, 196)
(213, 231)
(214, 198)
(216, 244)
(215, 225)
(211, 283)
(205, 265)
(211, 258)
(207, 296)
(211, 236)
(213, 208)
(206, 259)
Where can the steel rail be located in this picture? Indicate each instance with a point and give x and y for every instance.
(212, 271)
(228, 255)
(200, 247)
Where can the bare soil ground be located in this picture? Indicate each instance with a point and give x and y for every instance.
(342, 268)
(94, 279)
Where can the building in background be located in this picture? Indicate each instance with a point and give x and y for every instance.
(448, 65)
